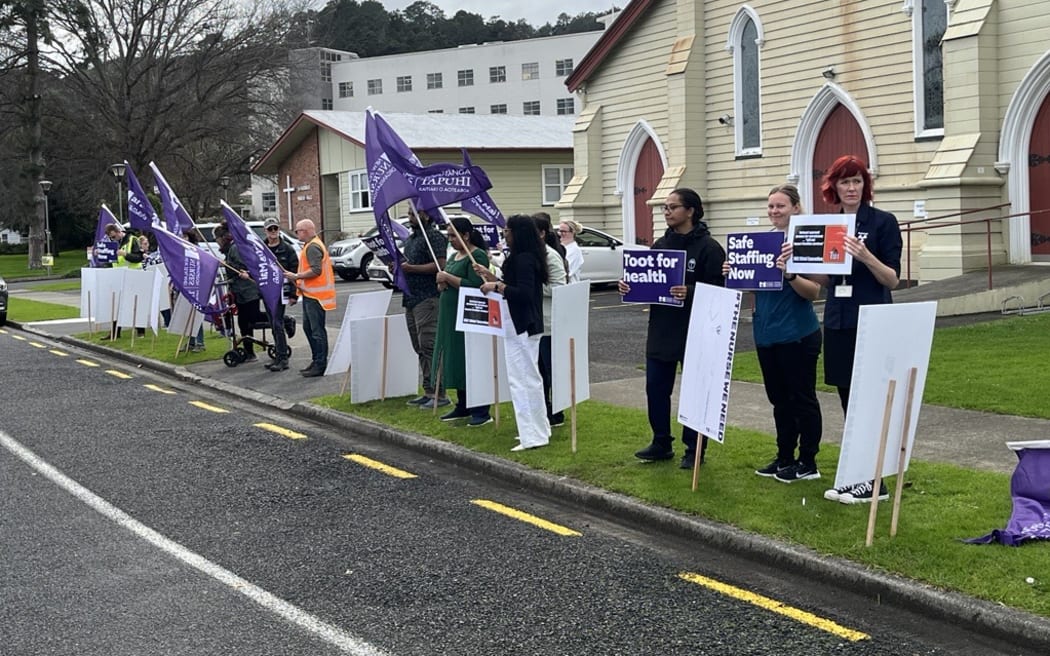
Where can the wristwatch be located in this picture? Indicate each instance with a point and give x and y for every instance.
(793, 276)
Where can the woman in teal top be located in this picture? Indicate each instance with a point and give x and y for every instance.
(449, 352)
(788, 341)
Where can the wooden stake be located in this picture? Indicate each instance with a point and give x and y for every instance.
(91, 317)
(572, 388)
(382, 388)
(437, 383)
(185, 330)
(495, 377)
(134, 319)
(113, 316)
(346, 381)
(913, 374)
(876, 482)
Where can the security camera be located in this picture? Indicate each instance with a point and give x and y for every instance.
(725, 119)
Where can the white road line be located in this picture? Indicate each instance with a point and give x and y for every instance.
(327, 632)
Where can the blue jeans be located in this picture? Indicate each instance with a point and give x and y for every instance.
(315, 331)
(659, 383)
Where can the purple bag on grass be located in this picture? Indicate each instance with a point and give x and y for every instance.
(1030, 491)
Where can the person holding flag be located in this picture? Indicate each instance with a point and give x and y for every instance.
(244, 289)
(283, 327)
(422, 247)
(315, 281)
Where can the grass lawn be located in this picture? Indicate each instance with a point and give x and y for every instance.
(941, 504)
(162, 347)
(24, 310)
(13, 267)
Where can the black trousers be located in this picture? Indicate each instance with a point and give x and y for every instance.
(789, 372)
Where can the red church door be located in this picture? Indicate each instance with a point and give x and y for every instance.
(840, 135)
(1039, 183)
(647, 176)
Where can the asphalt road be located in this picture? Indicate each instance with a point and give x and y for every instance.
(184, 530)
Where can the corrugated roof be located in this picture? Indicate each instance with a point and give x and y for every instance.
(471, 131)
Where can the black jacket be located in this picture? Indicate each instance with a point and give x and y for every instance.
(668, 325)
(523, 278)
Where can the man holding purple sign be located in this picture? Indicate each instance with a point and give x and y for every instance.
(669, 323)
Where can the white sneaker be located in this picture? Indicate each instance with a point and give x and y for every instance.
(835, 494)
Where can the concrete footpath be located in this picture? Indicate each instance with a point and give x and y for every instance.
(966, 438)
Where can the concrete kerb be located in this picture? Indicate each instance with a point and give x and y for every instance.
(1012, 625)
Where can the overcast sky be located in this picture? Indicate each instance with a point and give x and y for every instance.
(536, 12)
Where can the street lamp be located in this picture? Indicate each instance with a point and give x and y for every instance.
(45, 186)
(118, 171)
(224, 182)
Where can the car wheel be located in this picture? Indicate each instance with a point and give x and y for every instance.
(347, 275)
(365, 261)
(3, 318)
(388, 285)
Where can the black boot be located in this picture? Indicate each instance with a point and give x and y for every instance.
(654, 452)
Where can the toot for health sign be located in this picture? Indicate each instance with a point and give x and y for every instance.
(651, 275)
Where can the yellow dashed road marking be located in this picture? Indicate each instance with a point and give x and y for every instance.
(118, 374)
(525, 517)
(776, 607)
(19, 337)
(2, 331)
(378, 466)
(157, 388)
(61, 353)
(88, 363)
(210, 408)
(274, 428)
(38, 344)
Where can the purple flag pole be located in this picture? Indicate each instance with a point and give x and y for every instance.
(141, 214)
(261, 262)
(387, 186)
(176, 217)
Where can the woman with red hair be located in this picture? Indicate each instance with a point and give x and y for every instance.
(876, 249)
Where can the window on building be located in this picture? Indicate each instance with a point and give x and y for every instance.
(465, 77)
(498, 109)
(404, 83)
(555, 178)
(326, 72)
(566, 106)
(530, 71)
(435, 111)
(269, 202)
(745, 40)
(375, 87)
(346, 89)
(326, 103)
(434, 81)
(359, 198)
(530, 108)
(3, 237)
(466, 110)
(929, 21)
(562, 67)
(497, 74)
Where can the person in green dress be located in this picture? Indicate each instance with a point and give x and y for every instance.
(449, 351)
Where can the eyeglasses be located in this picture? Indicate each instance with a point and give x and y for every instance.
(671, 208)
(563, 232)
(272, 228)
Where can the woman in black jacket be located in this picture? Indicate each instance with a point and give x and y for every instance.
(669, 325)
(524, 273)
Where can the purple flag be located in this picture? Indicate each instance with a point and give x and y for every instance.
(482, 205)
(387, 186)
(260, 260)
(176, 217)
(192, 269)
(1030, 490)
(105, 251)
(435, 185)
(141, 214)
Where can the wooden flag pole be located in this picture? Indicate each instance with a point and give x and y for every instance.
(913, 374)
(437, 384)
(185, 331)
(91, 317)
(382, 389)
(572, 388)
(113, 316)
(134, 319)
(876, 483)
(495, 377)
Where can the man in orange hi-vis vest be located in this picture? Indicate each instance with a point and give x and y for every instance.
(315, 282)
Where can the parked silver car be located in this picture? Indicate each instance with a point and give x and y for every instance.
(351, 258)
(3, 301)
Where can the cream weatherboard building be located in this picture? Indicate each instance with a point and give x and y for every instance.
(319, 162)
(947, 101)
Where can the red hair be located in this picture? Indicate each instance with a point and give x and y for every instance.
(846, 166)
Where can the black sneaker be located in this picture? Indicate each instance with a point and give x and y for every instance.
(419, 400)
(798, 472)
(556, 420)
(655, 452)
(861, 493)
(456, 413)
(688, 460)
(772, 468)
(479, 421)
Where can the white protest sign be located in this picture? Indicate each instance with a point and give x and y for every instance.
(161, 298)
(185, 319)
(358, 306)
(891, 340)
(481, 369)
(370, 339)
(136, 299)
(106, 296)
(703, 401)
(89, 293)
(817, 243)
(570, 316)
(477, 312)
